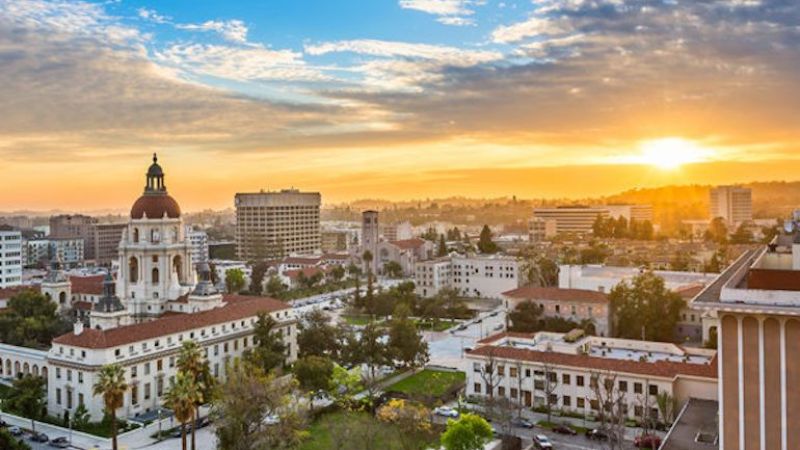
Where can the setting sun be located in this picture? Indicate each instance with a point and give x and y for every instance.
(672, 152)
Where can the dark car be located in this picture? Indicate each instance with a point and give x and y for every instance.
(563, 429)
(177, 432)
(647, 441)
(521, 423)
(59, 442)
(597, 435)
(3, 424)
(203, 422)
(15, 431)
(39, 437)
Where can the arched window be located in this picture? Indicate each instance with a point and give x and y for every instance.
(135, 235)
(154, 277)
(62, 297)
(177, 266)
(155, 236)
(47, 294)
(133, 270)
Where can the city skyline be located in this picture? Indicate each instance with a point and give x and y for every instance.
(394, 100)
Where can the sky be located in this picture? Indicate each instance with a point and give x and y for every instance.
(392, 99)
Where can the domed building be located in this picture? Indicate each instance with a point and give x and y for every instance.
(155, 256)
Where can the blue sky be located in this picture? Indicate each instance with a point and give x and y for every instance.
(394, 98)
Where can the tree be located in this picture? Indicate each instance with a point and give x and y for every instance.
(355, 273)
(31, 320)
(367, 256)
(314, 375)
(525, 317)
(257, 277)
(111, 386)
(667, 406)
(410, 422)
(269, 350)
(645, 309)
(609, 401)
(257, 410)
(549, 386)
(489, 373)
(442, 249)
(28, 398)
(485, 242)
(469, 432)
(374, 353)
(81, 417)
(537, 269)
(405, 341)
(393, 269)
(192, 362)
(595, 253)
(234, 280)
(680, 262)
(742, 235)
(275, 287)
(343, 385)
(717, 231)
(317, 337)
(182, 398)
(454, 305)
(337, 273)
(715, 264)
(9, 442)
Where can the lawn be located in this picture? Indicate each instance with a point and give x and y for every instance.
(350, 427)
(433, 383)
(442, 325)
(360, 320)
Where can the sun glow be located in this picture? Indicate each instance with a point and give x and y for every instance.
(672, 152)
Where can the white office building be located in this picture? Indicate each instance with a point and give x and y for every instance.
(733, 203)
(199, 241)
(570, 219)
(479, 276)
(10, 257)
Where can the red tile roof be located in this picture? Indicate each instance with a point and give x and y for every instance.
(303, 260)
(666, 369)
(233, 310)
(689, 292)
(91, 285)
(7, 293)
(558, 294)
(83, 306)
(307, 271)
(408, 244)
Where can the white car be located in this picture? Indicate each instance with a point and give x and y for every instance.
(446, 411)
(542, 442)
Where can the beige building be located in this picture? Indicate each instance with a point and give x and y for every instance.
(733, 203)
(571, 219)
(571, 304)
(76, 226)
(273, 224)
(107, 237)
(757, 300)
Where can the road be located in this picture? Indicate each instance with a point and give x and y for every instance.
(446, 348)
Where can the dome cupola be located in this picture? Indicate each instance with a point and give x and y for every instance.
(155, 203)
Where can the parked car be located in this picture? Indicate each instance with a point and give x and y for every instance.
(15, 431)
(59, 442)
(564, 429)
(521, 423)
(39, 437)
(541, 442)
(3, 424)
(597, 435)
(177, 432)
(647, 441)
(446, 411)
(203, 422)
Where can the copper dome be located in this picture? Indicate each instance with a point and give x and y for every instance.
(155, 206)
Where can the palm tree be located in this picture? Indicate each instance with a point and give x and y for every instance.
(111, 385)
(367, 256)
(191, 361)
(182, 398)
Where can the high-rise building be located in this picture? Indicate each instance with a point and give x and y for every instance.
(199, 240)
(271, 224)
(757, 302)
(733, 203)
(370, 236)
(69, 251)
(67, 226)
(10, 257)
(571, 219)
(639, 213)
(106, 241)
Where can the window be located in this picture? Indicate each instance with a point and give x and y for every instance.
(552, 377)
(69, 374)
(477, 388)
(58, 396)
(512, 372)
(579, 380)
(135, 394)
(566, 401)
(580, 402)
(160, 386)
(637, 388)
(637, 411)
(565, 378)
(80, 377)
(527, 373)
(538, 384)
(160, 365)
(147, 368)
(623, 386)
(513, 393)
(653, 389)
(147, 391)
(501, 391)
(501, 370)
(58, 373)
(133, 371)
(80, 399)
(171, 362)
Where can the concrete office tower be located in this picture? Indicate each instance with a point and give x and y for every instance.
(10, 257)
(107, 237)
(733, 203)
(639, 213)
(67, 226)
(199, 240)
(757, 300)
(571, 219)
(370, 235)
(274, 224)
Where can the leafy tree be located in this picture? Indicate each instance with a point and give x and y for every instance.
(405, 342)
(81, 417)
(453, 303)
(28, 398)
(485, 242)
(717, 231)
(111, 386)
(368, 256)
(596, 253)
(31, 320)
(257, 277)
(314, 374)
(411, 422)
(182, 398)
(468, 432)
(645, 309)
(9, 442)
(393, 269)
(275, 287)
(442, 249)
(680, 262)
(192, 362)
(355, 273)
(344, 384)
(373, 352)
(525, 317)
(537, 269)
(742, 235)
(715, 264)
(248, 396)
(234, 280)
(269, 350)
(317, 337)
(430, 234)
(337, 273)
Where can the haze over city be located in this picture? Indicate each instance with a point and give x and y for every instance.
(393, 99)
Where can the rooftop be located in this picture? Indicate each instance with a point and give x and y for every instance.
(553, 293)
(696, 427)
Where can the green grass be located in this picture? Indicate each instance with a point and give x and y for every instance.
(442, 325)
(385, 436)
(428, 382)
(360, 320)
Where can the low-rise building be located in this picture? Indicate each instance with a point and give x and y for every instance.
(573, 369)
(67, 250)
(107, 237)
(482, 276)
(577, 305)
(199, 241)
(406, 253)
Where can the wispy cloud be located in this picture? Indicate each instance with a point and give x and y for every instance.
(534, 26)
(231, 30)
(450, 12)
(374, 47)
(153, 16)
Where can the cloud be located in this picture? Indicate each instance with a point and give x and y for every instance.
(445, 54)
(152, 16)
(534, 26)
(230, 30)
(450, 12)
(456, 21)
